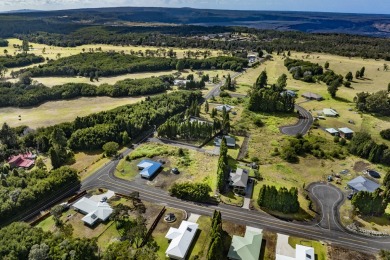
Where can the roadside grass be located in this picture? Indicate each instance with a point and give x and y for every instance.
(127, 170)
(232, 199)
(320, 250)
(55, 112)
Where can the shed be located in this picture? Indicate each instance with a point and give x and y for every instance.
(228, 108)
(230, 141)
(330, 112)
(345, 132)
(180, 239)
(148, 168)
(363, 184)
(247, 247)
(312, 96)
(332, 131)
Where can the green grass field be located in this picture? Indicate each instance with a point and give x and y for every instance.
(54, 112)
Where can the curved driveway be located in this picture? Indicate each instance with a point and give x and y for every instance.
(302, 126)
(328, 199)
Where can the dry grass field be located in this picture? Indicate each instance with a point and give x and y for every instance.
(51, 113)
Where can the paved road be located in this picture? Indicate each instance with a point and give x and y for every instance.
(302, 126)
(214, 92)
(328, 199)
(104, 178)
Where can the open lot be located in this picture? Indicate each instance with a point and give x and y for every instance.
(54, 112)
(193, 166)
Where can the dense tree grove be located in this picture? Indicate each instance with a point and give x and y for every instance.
(113, 63)
(23, 94)
(370, 203)
(3, 43)
(310, 72)
(362, 145)
(378, 102)
(23, 242)
(191, 191)
(179, 127)
(69, 36)
(270, 99)
(19, 190)
(216, 246)
(282, 200)
(314, 145)
(20, 60)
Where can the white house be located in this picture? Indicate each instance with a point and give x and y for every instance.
(301, 253)
(180, 239)
(93, 210)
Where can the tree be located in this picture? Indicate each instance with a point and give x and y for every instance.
(3, 71)
(5, 52)
(384, 254)
(281, 82)
(110, 148)
(388, 87)
(349, 76)
(332, 89)
(206, 107)
(8, 137)
(25, 78)
(56, 212)
(261, 81)
(228, 84)
(385, 67)
(386, 180)
(39, 252)
(357, 74)
(326, 66)
(40, 164)
(180, 65)
(362, 70)
(25, 45)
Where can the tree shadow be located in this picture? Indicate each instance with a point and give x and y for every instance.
(341, 99)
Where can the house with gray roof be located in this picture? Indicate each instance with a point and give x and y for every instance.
(238, 180)
(230, 141)
(94, 211)
(363, 184)
(312, 96)
(345, 132)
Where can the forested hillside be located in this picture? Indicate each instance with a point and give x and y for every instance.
(24, 93)
(112, 63)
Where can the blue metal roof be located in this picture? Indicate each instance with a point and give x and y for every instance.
(149, 171)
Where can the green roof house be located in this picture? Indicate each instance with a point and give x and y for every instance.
(247, 247)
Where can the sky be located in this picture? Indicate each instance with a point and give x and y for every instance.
(341, 6)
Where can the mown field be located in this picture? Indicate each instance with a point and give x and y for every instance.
(51, 113)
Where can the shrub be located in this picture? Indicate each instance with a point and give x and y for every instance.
(385, 134)
(191, 191)
(224, 94)
(343, 142)
(336, 139)
(257, 121)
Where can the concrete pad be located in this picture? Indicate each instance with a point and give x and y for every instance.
(193, 218)
(248, 196)
(98, 198)
(283, 247)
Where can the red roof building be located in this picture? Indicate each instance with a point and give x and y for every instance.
(26, 160)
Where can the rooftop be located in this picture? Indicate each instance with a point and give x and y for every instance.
(331, 130)
(23, 160)
(148, 168)
(330, 112)
(239, 178)
(230, 141)
(247, 247)
(311, 95)
(94, 210)
(227, 107)
(363, 184)
(346, 130)
(181, 239)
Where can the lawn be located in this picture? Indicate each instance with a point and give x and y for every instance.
(193, 166)
(55, 112)
(320, 249)
(232, 199)
(127, 170)
(202, 239)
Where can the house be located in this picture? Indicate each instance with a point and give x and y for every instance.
(247, 247)
(332, 131)
(345, 132)
(199, 120)
(312, 96)
(230, 141)
(330, 112)
(239, 180)
(148, 168)
(180, 239)
(180, 82)
(362, 184)
(23, 160)
(221, 107)
(94, 211)
(301, 253)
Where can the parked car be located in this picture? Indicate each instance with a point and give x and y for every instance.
(175, 171)
(350, 196)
